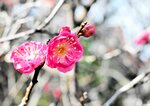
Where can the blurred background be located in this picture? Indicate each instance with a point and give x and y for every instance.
(111, 58)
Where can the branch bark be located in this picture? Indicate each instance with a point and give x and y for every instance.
(30, 87)
(126, 87)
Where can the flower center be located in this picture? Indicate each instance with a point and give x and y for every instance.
(61, 50)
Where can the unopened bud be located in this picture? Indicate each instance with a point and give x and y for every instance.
(64, 29)
(88, 30)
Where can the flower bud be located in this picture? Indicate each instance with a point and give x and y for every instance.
(88, 30)
(64, 29)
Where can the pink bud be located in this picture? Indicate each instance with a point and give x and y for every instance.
(89, 30)
(64, 29)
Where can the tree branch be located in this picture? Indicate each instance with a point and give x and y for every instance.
(30, 87)
(126, 87)
(51, 16)
(43, 24)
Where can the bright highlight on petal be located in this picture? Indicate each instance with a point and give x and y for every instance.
(29, 56)
(64, 51)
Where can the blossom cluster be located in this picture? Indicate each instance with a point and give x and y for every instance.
(61, 52)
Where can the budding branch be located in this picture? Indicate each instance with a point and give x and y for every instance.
(37, 70)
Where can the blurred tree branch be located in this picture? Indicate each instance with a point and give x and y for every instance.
(42, 25)
(138, 80)
(31, 85)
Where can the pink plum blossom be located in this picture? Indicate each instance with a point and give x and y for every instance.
(29, 56)
(89, 30)
(64, 51)
(143, 38)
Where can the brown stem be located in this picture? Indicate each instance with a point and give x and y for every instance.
(81, 27)
(82, 103)
(30, 87)
(81, 99)
(76, 66)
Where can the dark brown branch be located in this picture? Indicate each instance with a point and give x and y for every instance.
(46, 32)
(81, 28)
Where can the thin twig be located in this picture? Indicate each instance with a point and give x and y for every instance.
(81, 27)
(51, 16)
(126, 87)
(77, 90)
(19, 35)
(43, 24)
(38, 91)
(30, 87)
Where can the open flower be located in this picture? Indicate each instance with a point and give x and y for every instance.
(29, 56)
(64, 51)
(88, 30)
(143, 38)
